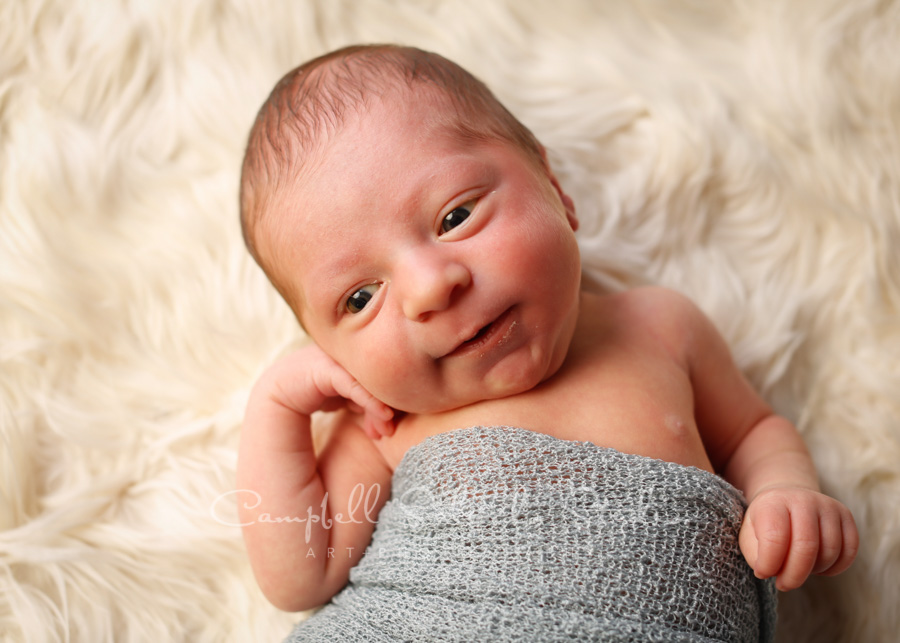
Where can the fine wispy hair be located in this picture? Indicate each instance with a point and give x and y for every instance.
(311, 102)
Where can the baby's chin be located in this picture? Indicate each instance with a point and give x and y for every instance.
(486, 392)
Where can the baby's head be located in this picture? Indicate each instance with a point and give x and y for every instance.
(309, 105)
(414, 227)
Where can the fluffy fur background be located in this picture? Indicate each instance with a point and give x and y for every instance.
(746, 153)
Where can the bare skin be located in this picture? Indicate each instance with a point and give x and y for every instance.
(452, 293)
(632, 382)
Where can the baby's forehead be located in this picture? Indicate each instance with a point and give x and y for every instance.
(427, 119)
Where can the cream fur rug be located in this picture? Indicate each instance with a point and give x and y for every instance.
(746, 153)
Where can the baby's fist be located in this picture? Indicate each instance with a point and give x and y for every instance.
(792, 532)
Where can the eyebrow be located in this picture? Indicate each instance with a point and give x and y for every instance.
(336, 267)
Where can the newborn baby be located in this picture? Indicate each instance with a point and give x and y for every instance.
(555, 454)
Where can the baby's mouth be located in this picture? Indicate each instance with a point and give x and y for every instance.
(481, 333)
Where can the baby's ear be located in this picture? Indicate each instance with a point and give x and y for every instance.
(567, 201)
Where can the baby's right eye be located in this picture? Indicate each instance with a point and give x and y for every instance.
(358, 300)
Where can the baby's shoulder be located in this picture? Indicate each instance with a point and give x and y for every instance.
(650, 305)
(652, 313)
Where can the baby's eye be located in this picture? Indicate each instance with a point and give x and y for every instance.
(456, 216)
(358, 300)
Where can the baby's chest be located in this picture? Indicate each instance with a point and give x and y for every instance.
(633, 403)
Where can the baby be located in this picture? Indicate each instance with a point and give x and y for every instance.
(553, 452)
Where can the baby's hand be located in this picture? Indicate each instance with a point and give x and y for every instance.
(308, 380)
(792, 532)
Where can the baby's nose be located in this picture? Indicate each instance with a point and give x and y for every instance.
(430, 284)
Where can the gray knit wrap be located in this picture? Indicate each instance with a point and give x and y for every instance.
(503, 534)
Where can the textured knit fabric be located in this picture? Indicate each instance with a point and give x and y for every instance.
(503, 534)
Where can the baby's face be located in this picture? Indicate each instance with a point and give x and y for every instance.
(438, 272)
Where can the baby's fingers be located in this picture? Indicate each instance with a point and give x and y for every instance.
(804, 547)
(376, 415)
(793, 532)
(765, 539)
(339, 383)
(840, 542)
(831, 541)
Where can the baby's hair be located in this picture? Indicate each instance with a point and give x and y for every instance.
(311, 102)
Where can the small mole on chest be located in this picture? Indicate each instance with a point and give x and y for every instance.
(675, 424)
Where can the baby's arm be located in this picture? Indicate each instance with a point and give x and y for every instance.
(302, 563)
(790, 529)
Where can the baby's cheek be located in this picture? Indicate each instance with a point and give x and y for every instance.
(389, 377)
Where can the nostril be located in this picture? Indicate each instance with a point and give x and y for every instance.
(432, 286)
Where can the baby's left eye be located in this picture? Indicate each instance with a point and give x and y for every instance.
(456, 216)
